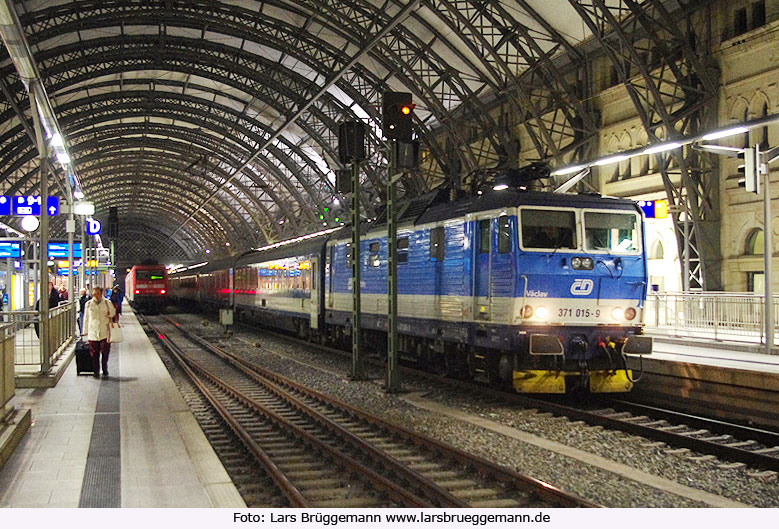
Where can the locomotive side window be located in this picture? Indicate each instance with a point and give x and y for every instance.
(504, 234)
(548, 229)
(484, 235)
(402, 250)
(610, 232)
(437, 246)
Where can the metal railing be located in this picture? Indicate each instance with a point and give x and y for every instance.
(7, 384)
(709, 315)
(29, 355)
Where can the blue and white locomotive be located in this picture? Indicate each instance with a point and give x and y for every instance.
(541, 291)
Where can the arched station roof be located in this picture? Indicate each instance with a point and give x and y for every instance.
(166, 103)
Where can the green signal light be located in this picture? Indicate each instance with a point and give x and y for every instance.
(326, 209)
(337, 219)
(321, 217)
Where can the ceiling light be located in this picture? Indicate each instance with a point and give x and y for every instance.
(56, 140)
(63, 158)
(567, 170)
(500, 187)
(78, 195)
(611, 159)
(725, 133)
(663, 147)
(30, 223)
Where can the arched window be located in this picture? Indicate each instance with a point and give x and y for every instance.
(657, 251)
(755, 245)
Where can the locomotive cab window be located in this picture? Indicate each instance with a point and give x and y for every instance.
(437, 246)
(548, 229)
(610, 232)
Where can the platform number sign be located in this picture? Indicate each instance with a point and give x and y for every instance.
(29, 205)
(93, 227)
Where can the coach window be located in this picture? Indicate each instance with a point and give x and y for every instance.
(437, 244)
(484, 235)
(403, 250)
(504, 234)
(548, 229)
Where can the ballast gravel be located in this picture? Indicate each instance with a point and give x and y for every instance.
(326, 373)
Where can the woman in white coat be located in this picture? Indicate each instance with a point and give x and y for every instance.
(98, 315)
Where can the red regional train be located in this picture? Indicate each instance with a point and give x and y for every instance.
(146, 287)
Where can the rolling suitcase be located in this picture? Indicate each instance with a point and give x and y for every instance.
(83, 358)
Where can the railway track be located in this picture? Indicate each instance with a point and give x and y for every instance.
(320, 452)
(728, 442)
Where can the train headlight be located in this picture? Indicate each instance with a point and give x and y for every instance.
(542, 313)
(137, 291)
(630, 313)
(581, 263)
(162, 291)
(618, 313)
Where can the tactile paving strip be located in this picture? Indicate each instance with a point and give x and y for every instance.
(102, 485)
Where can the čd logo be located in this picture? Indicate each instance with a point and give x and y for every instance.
(581, 287)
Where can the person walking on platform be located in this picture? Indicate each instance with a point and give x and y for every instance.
(82, 300)
(117, 296)
(99, 313)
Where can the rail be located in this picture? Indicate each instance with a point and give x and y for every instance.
(29, 353)
(731, 316)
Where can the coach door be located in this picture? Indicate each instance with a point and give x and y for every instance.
(482, 306)
(313, 305)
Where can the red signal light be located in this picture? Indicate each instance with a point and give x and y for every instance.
(406, 110)
(162, 291)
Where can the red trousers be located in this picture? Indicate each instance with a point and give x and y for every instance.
(95, 349)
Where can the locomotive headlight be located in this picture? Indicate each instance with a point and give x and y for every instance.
(581, 263)
(542, 313)
(630, 313)
(618, 313)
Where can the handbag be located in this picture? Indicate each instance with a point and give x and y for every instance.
(115, 333)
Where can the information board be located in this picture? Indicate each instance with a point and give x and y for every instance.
(59, 250)
(10, 249)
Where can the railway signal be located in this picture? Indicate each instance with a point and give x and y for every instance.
(397, 112)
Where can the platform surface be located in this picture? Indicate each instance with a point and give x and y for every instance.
(714, 355)
(128, 440)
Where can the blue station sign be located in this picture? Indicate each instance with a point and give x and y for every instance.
(59, 250)
(31, 205)
(10, 249)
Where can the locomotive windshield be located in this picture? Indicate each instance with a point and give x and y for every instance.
(610, 232)
(548, 229)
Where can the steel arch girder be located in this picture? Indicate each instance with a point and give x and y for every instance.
(120, 181)
(663, 108)
(57, 21)
(137, 196)
(116, 106)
